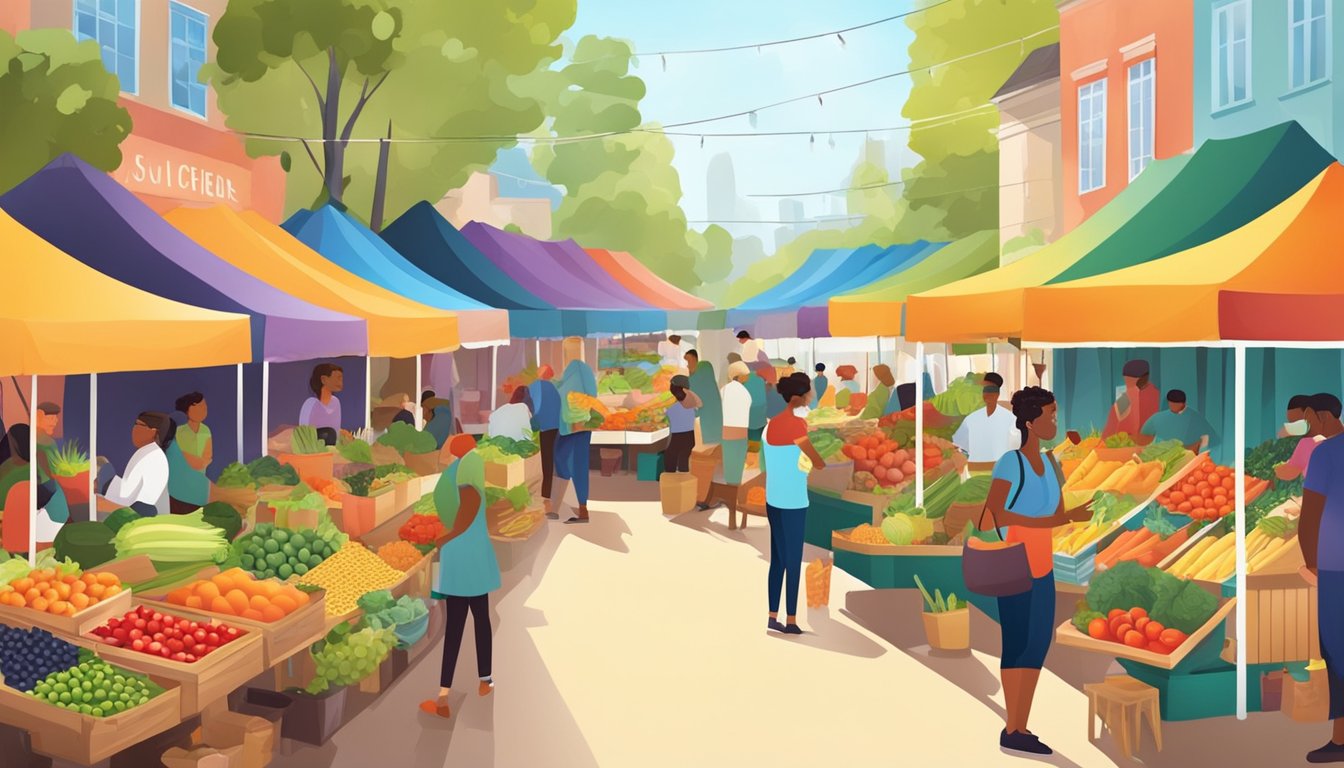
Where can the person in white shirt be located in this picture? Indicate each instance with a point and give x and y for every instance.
(752, 350)
(143, 485)
(736, 420)
(670, 352)
(514, 420)
(990, 432)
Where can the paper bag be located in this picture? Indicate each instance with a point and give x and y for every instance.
(203, 757)
(1308, 701)
(254, 735)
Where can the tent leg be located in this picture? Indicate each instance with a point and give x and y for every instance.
(538, 353)
(419, 412)
(919, 424)
(1239, 448)
(93, 445)
(32, 476)
(879, 349)
(238, 376)
(494, 374)
(368, 392)
(265, 407)
(1024, 364)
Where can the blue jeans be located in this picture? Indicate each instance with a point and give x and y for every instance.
(573, 462)
(1330, 612)
(786, 555)
(1028, 623)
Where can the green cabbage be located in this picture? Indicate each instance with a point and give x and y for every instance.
(1126, 585)
(1181, 604)
(407, 439)
(899, 529)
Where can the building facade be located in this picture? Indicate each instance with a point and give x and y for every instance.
(1262, 63)
(179, 150)
(479, 200)
(1126, 94)
(1030, 160)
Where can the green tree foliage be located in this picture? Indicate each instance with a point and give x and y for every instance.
(622, 191)
(56, 97)
(954, 128)
(453, 69)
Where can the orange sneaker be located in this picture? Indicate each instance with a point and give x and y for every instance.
(487, 687)
(432, 707)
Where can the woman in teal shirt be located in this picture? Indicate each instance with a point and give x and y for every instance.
(468, 571)
(189, 455)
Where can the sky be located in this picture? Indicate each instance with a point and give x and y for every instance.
(699, 86)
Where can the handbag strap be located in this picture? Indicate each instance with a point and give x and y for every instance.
(1021, 481)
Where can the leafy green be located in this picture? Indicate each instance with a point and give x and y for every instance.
(962, 397)
(223, 517)
(14, 568)
(1119, 440)
(1170, 452)
(120, 517)
(425, 506)
(1272, 499)
(269, 471)
(359, 482)
(974, 491)
(1108, 507)
(69, 460)
(507, 446)
(356, 452)
(407, 439)
(1084, 616)
(1262, 459)
(519, 497)
(304, 441)
(236, 475)
(1180, 604)
(936, 603)
(1124, 586)
(1159, 522)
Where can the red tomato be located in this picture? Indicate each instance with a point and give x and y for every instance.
(212, 639)
(190, 658)
(1098, 630)
(1135, 639)
(1121, 631)
(141, 624)
(1115, 612)
(138, 645)
(1153, 630)
(112, 641)
(1172, 638)
(135, 634)
(199, 650)
(1157, 647)
(1136, 612)
(120, 633)
(179, 656)
(199, 634)
(154, 647)
(1141, 622)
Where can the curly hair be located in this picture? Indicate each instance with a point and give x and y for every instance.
(1028, 405)
(793, 385)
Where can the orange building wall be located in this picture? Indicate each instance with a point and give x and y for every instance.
(1092, 31)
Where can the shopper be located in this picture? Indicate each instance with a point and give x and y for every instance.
(820, 385)
(1136, 404)
(438, 415)
(681, 425)
(189, 455)
(1179, 422)
(143, 485)
(876, 407)
(775, 403)
(786, 442)
(705, 385)
(323, 409)
(669, 352)
(752, 350)
(14, 469)
(514, 420)
(468, 572)
(51, 497)
(573, 443)
(989, 433)
(736, 422)
(546, 422)
(758, 390)
(1025, 497)
(1320, 533)
(1307, 428)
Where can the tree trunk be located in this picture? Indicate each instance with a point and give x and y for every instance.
(333, 151)
(380, 182)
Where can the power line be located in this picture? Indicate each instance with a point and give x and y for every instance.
(887, 184)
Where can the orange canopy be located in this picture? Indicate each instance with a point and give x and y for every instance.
(641, 281)
(398, 327)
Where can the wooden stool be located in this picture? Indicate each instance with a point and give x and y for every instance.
(729, 495)
(1122, 703)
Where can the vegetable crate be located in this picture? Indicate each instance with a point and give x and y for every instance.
(360, 514)
(202, 682)
(280, 639)
(837, 476)
(1212, 631)
(320, 465)
(1281, 619)
(81, 623)
(504, 475)
(1076, 569)
(417, 581)
(84, 739)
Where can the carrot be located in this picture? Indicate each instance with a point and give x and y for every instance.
(1108, 555)
(1144, 548)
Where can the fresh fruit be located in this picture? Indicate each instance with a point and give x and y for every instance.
(1097, 629)
(51, 591)
(95, 688)
(348, 574)
(401, 555)
(422, 529)
(146, 630)
(1207, 491)
(270, 552)
(350, 658)
(235, 591)
(29, 655)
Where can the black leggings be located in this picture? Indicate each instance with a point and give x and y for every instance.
(677, 457)
(456, 626)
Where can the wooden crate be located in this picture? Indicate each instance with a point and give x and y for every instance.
(201, 682)
(84, 739)
(417, 581)
(280, 639)
(507, 475)
(361, 514)
(1281, 620)
(1067, 634)
(81, 623)
(840, 542)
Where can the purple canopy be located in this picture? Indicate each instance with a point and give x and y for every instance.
(87, 214)
(594, 275)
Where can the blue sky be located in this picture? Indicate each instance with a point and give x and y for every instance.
(706, 85)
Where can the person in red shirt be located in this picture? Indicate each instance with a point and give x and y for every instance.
(1140, 400)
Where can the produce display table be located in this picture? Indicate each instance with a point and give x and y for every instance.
(203, 681)
(280, 639)
(891, 567)
(827, 513)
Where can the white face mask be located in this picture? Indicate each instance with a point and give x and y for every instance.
(801, 411)
(1297, 428)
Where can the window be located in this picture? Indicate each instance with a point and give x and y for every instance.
(186, 35)
(112, 23)
(1231, 54)
(1091, 136)
(1141, 125)
(1308, 42)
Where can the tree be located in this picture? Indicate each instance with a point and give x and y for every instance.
(959, 175)
(56, 97)
(621, 190)
(457, 72)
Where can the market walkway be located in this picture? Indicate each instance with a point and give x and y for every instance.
(640, 642)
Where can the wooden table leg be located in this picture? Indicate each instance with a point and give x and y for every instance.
(1155, 722)
(1091, 716)
(1122, 735)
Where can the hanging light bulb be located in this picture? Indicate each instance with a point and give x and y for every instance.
(819, 101)
(664, 58)
(702, 142)
(841, 38)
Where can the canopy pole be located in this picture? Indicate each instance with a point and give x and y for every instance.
(1024, 361)
(419, 412)
(622, 344)
(538, 353)
(1239, 447)
(265, 406)
(238, 376)
(494, 376)
(93, 445)
(919, 425)
(879, 349)
(368, 392)
(33, 476)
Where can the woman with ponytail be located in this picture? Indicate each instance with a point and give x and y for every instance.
(1026, 502)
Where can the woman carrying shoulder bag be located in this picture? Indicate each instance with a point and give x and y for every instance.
(1026, 503)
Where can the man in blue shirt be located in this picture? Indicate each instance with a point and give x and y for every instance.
(1179, 422)
(546, 423)
(1321, 536)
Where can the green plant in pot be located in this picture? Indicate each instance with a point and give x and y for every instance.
(947, 622)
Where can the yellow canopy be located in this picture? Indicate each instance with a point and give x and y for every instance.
(60, 317)
(1175, 299)
(398, 327)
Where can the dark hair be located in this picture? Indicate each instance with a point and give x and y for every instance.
(1298, 402)
(674, 338)
(820, 368)
(793, 385)
(404, 417)
(994, 378)
(743, 335)
(1325, 403)
(1175, 396)
(186, 401)
(15, 443)
(163, 425)
(49, 408)
(793, 361)
(321, 371)
(426, 396)
(1028, 405)
(692, 353)
(905, 395)
(679, 392)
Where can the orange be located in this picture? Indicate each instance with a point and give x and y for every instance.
(207, 590)
(259, 602)
(221, 605)
(80, 601)
(22, 585)
(51, 595)
(300, 597)
(109, 580)
(223, 582)
(57, 606)
(96, 590)
(253, 614)
(112, 589)
(40, 604)
(269, 588)
(63, 590)
(285, 603)
(32, 594)
(179, 596)
(237, 600)
(69, 610)
(79, 587)
(272, 613)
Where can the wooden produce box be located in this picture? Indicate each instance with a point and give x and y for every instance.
(505, 475)
(84, 739)
(203, 681)
(81, 623)
(417, 581)
(1281, 620)
(280, 639)
(1067, 634)
(361, 514)
(1117, 454)
(840, 541)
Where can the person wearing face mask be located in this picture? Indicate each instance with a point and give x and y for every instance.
(989, 433)
(1298, 425)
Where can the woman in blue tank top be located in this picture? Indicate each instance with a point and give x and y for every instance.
(681, 423)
